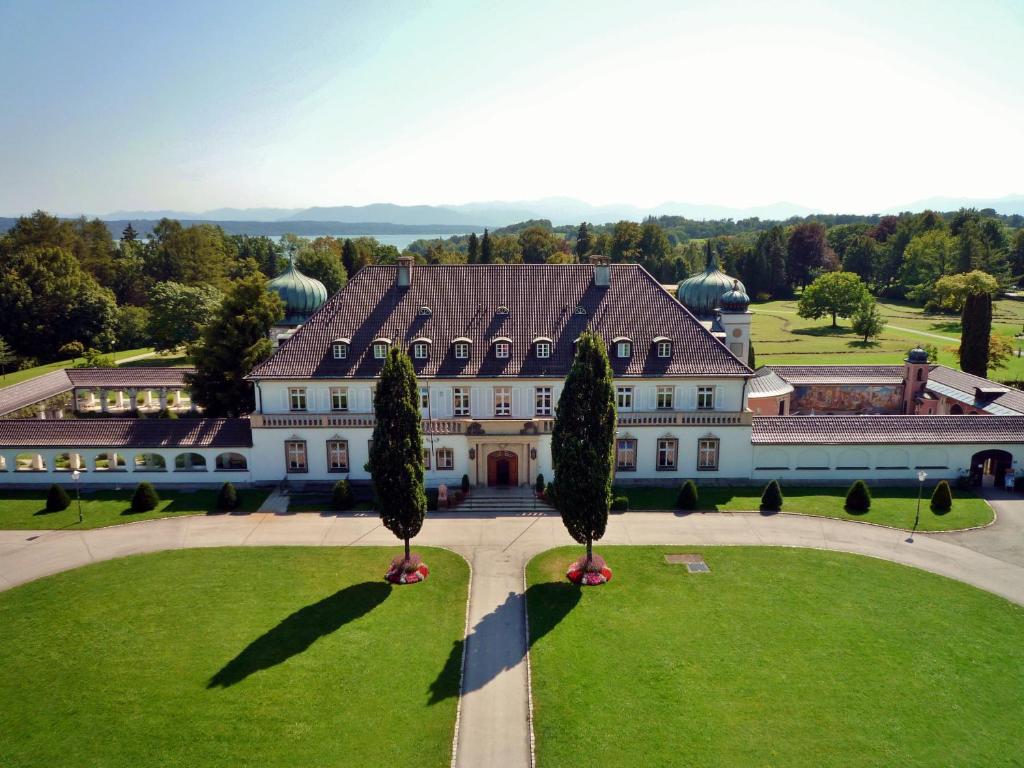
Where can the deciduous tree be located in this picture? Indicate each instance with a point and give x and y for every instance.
(807, 251)
(838, 294)
(866, 320)
(179, 312)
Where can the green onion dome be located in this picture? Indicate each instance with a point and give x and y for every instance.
(302, 295)
(735, 300)
(702, 293)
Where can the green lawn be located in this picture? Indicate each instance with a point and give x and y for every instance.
(781, 337)
(890, 506)
(229, 657)
(777, 657)
(30, 373)
(27, 509)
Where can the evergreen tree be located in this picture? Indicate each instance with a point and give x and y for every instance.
(350, 257)
(807, 251)
(227, 499)
(7, 357)
(1016, 254)
(486, 249)
(234, 341)
(771, 499)
(751, 358)
(582, 443)
(970, 247)
(866, 320)
(57, 499)
(128, 234)
(145, 498)
(687, 498)
(771, 247)
(858, 498)
(473, 253)
(976, 328)
(341, 496)
(396, 455)
(583, 242)
(942, 498)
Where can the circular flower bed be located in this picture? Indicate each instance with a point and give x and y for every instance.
(402, 571)
(589, 575)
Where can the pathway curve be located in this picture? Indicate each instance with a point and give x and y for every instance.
(494, 727)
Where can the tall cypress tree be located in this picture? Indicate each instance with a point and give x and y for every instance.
(583, 241)
(583, 443)
(396, 456)
(474, 249)
(486, 249)
(976, 329)
(350, 257)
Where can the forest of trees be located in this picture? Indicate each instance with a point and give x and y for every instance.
(70, 282)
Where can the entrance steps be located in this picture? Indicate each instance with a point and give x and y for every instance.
(503, 501)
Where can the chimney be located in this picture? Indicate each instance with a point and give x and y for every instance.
(404, 278)
(602, 271)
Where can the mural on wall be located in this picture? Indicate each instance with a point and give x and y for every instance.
(847, 398)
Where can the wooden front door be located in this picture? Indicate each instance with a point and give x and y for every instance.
(502, 468)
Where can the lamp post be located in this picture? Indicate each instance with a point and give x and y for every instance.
(921, 477)
(76, 476)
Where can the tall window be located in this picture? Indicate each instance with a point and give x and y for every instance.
(665, 398)
(340, 351)
(707, 453)
(461, 350)
(297, 398)
(502, 349)
(624, 398)
(339, 398)
(624, 349)
(424, 398)
(445, 458)
(420, 350)
(460, 401)
(625, 455)
(337, 455)
(668, 454)
(664, 349)
(295, 455)
(706, 398)
(426, 458)
(543, 401)
(503, 401)
(543, 349)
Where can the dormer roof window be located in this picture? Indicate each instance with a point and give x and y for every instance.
(380, 348)
(421, 348)
(623, 346)
(502, 347)
(339, 348)
(461, 347)
(663, 345)
(542, 347)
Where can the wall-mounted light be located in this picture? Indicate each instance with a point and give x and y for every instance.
(472, 454)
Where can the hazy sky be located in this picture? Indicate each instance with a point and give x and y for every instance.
(142, 105)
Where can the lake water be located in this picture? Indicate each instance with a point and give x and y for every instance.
(401, 242)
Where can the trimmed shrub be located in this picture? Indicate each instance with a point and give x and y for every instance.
(432, 499)
(540, 483)
(620, 504)
(57, 499)
(771, 499)
(688, 497)
(227, 499)
(465, 484)
(341, 496)
(942, 498)
(145, 498)
(858, 498)
(549, 494)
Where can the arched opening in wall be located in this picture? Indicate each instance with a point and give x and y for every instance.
(190, 462)
(989, 468)
(502, 469)
(29, 462)
(150, 462)
(68, 462)
(111, 461)
(956, 409)
(3, 463)
(231, 462)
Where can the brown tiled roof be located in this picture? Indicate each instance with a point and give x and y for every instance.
(767, 383)
(25, 393)
(835, 430)
(542, 301)
(128, 433)
(840, 374)
(1010, 401)
(136, 378)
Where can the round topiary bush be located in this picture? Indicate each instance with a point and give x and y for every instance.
(771, 499)
(57, 499)
(942, 498)
(465, 484)
(227, 499)
(145, 498)
(341, 496)
(687, 498)
(620, 504)
(540, 483)
(858, 498)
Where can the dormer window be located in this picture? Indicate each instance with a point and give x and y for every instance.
(380, 348)
(623, 347)
(461, 348)
(663, 346)
(421, 348)
(542, 347)
(502, 348)
(339, 350)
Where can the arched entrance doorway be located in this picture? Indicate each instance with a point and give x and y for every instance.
(988, 468)
(502, 468)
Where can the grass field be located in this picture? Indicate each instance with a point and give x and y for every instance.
(895, 507)
(27, 509)
(229, 657)
(30, 373)
(781, 337)
(777, 657)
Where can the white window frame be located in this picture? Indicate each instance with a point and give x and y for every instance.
(624, 349)
(380, 350)
(340, 351)
(461, 350)
(708, 453)
(336, 451)
(543, 349)
(420, 350)
(665, 398)
(296, 457)
(667, 457)
(502, 402)
(625, 447)
(502, 350)
(624, 398)
(705, 398)
(426, 457)
(297, 399)
(339, 399)
(460, 401)
(445, 459)
(664, 349)
(424, 398)
(542, 401)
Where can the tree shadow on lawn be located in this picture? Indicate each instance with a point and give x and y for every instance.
(301, 629)
(495, 644)
(822, 330)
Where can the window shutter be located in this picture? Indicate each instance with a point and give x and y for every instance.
(517, 403)
(284, 399)
(476, 402)
(679, 403)
(489, 403)
(325, 400)
(365, 400)
(718, 399)
(652, 397)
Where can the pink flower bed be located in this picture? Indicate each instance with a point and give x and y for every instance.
(411, 571)
(597, 572)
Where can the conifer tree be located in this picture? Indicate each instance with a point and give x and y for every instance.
(582, 444)
(583, 241)
(976, 328)
(473, 254)
(7, 357)
(751, 357)
(350, 257)
(486, 249)
(396, 456)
